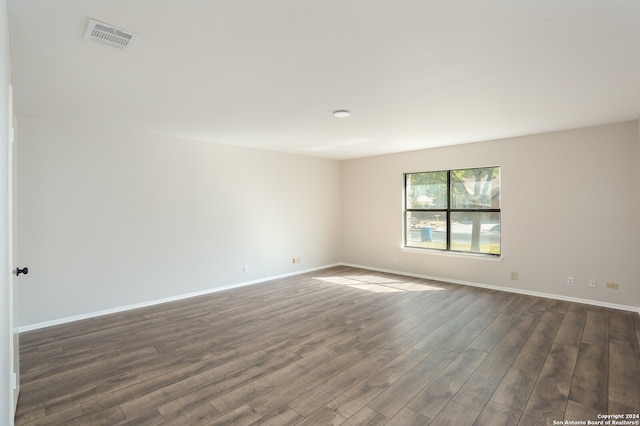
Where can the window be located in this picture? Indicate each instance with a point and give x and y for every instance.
(454, 210)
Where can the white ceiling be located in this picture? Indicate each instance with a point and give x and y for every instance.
(268, 73)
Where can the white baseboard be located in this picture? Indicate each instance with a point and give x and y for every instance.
(506, 289)
(88, 315)
(59, 321)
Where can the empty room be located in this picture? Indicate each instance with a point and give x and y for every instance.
(279, 212)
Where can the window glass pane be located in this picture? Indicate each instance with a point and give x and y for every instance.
(427, 229)
(475, 188)
(427, 190)
(476, 232)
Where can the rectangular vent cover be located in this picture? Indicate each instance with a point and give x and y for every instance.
(108, 34)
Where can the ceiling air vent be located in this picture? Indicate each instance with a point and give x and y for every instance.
(109, 35)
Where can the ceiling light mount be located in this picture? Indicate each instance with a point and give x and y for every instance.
(341, 113)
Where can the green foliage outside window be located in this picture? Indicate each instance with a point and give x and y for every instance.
(456, 210)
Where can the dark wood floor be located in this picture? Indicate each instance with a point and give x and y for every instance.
(337, 346)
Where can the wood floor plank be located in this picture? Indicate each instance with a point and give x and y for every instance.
(493, 333)
(243, 415)
(442, 334)
(199, 414)
(532, 357)
(412, 337)
(495, 414)
(393, 399)
(596, 328)
(408, 417)
(554, 381)
(589, 385)
(463, 337)
(340, 345)
(514, 389)
(65, 416)
(432, 398)
(143, 418)
(456, 414)
(571, 329)
(521, 329)
(542, 413)
(106, 418)
(86, 387)
(306, 399)
(366, 416)
(324, 416)
(139, 385)
(624, 378)
(580, 412)
(477, 390)
(329, 367)
(248, 372)
(547, 328)
(622, 331)
(283, 416)
(355, 398)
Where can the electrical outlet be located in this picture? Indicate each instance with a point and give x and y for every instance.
(514, 275)
(395, 259)
(296, 260)
(570, 281)
(592, 283)
(245, 269)
(612, 285)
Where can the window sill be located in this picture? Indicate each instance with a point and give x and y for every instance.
(476, 256)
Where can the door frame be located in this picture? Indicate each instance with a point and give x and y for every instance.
(14, 344)
(8, 348)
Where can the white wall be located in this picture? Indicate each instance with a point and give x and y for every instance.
(111, 218)
(570, 207)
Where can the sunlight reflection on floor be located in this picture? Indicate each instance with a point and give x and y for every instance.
(378, 284)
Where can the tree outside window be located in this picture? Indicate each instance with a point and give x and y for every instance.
(454, 210)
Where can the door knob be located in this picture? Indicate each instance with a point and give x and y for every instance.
(22, 271)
